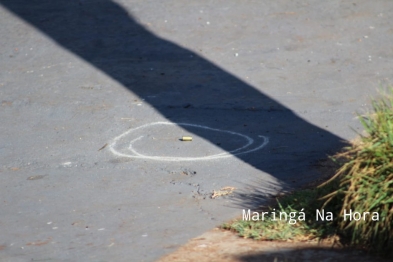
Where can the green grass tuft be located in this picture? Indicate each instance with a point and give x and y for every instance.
(363, 183)
(366, 180)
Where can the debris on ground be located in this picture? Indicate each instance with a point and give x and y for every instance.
(223, 191)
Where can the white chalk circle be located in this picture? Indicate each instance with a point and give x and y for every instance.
(131, 143)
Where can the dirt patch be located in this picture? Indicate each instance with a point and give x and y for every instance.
(39, 242)
(220, 245)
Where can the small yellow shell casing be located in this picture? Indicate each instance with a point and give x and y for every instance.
(186, 138)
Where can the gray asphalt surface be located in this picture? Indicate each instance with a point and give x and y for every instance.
(266, 89)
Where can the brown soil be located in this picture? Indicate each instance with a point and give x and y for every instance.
(222, 245)
(219, 245)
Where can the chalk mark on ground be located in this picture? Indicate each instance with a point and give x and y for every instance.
(135, 154)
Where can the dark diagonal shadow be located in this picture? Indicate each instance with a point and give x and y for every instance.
(183, 86)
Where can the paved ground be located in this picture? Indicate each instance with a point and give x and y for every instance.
(265, 89)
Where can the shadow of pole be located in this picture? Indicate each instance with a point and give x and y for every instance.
(183, 86)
